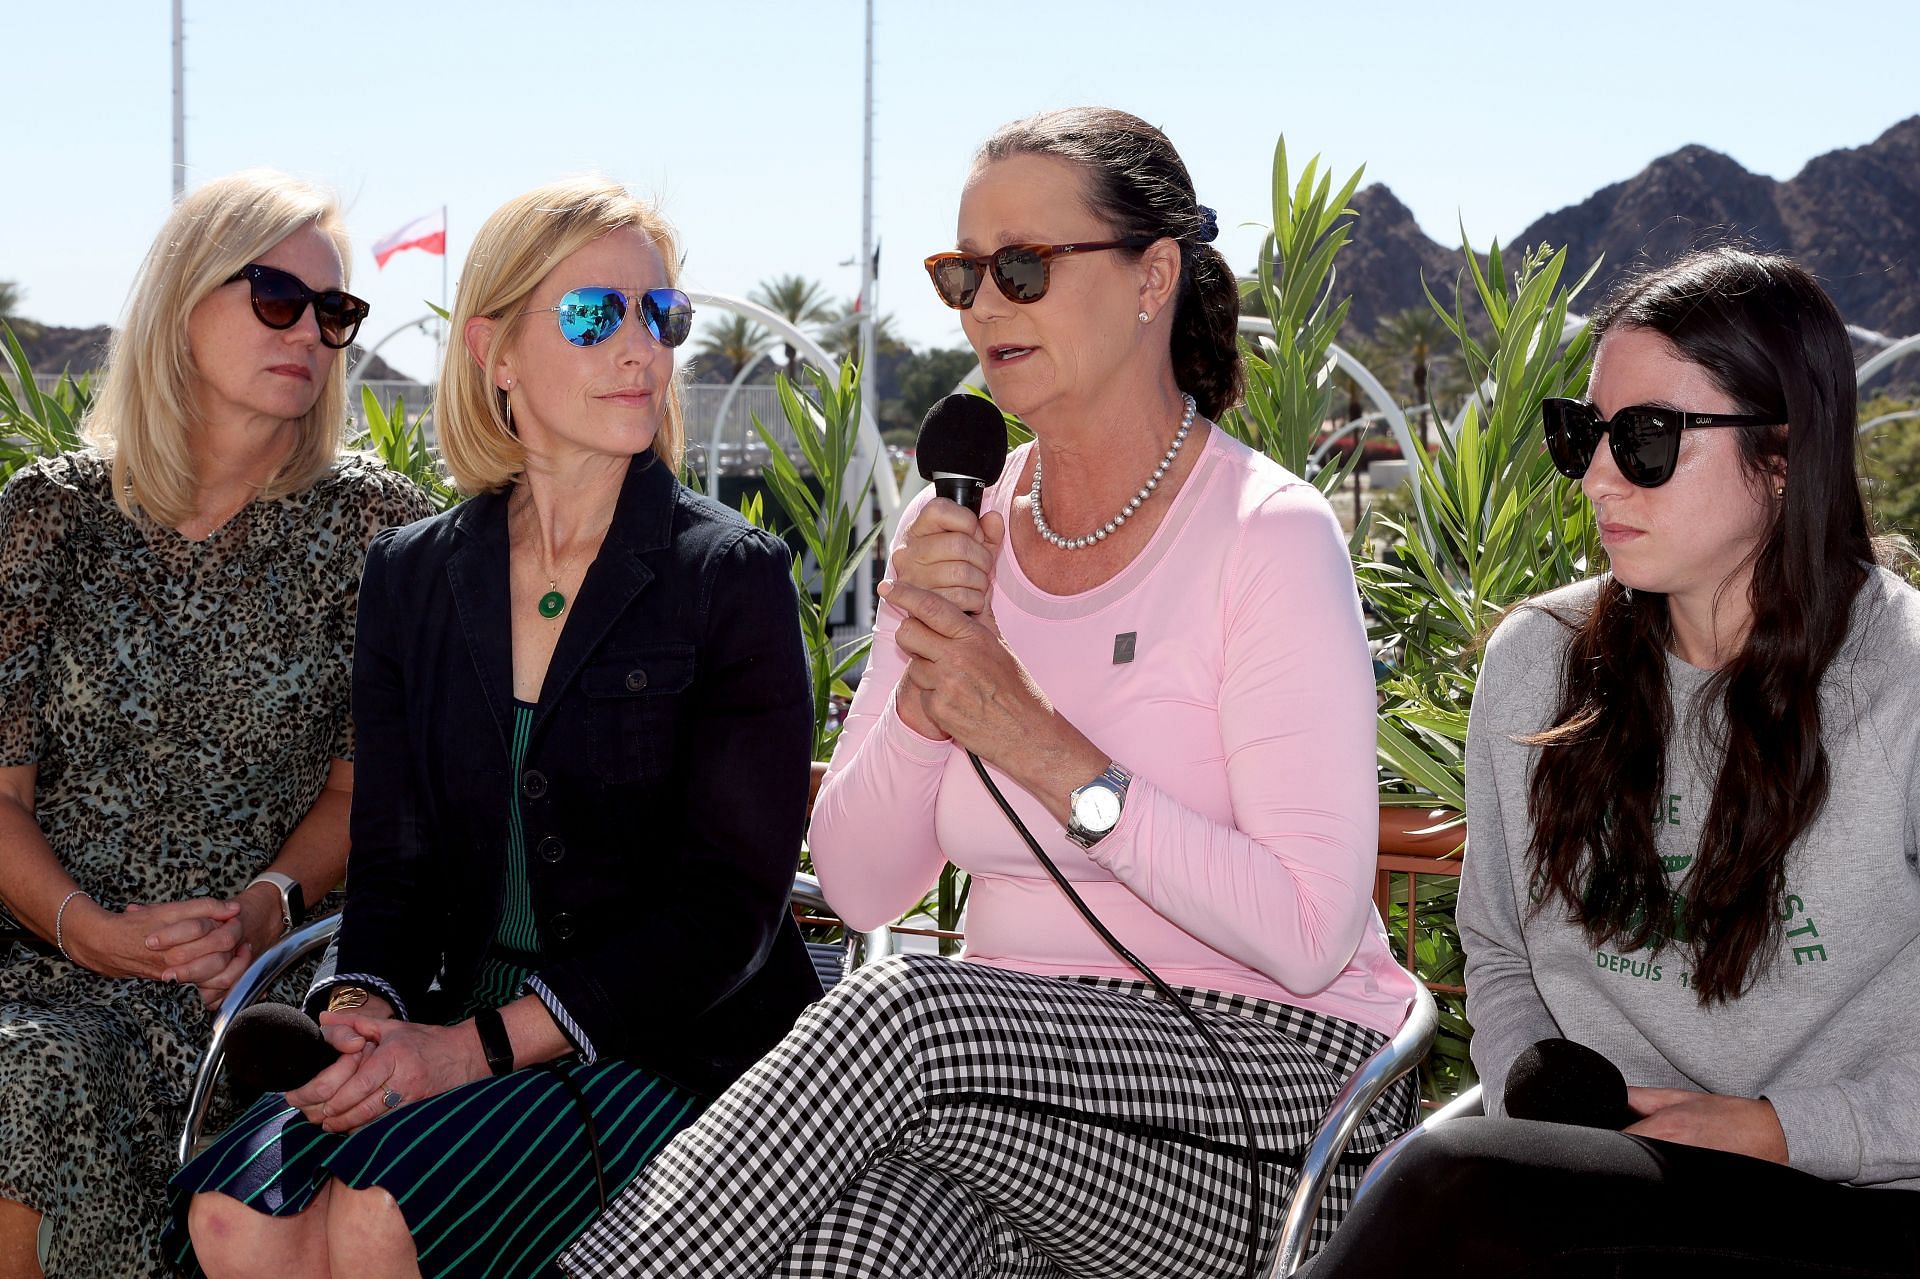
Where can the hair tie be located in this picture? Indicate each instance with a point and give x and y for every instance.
(1209, 226)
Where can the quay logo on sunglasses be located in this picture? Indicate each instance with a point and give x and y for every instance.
(1644, 439)
(280, 299)
(1021, 270)
(589, 316)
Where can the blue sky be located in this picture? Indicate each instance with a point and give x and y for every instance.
(743, 116)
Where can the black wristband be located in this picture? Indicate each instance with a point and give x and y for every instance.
(494, 1041)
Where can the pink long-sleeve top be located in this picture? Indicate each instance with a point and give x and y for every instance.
(1244, 859)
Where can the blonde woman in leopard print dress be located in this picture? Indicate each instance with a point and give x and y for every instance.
(176, 619)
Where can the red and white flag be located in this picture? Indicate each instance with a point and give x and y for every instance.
(428, 234)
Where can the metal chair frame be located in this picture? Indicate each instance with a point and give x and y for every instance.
(301, 944)
(1402, 1053)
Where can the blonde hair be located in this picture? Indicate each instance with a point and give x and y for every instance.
(515, 250)
(144, 414)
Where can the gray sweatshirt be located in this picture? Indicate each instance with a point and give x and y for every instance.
(1830, 1033)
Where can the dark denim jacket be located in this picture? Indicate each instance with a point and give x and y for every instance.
(663, 797)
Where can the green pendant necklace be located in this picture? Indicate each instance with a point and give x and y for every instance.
(554, 603)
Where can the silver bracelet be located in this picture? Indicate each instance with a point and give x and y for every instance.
(60, 920)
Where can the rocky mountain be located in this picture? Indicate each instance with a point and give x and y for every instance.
(1852, 216)
(52, 349)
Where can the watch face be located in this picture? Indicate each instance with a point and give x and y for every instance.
(1096, 809)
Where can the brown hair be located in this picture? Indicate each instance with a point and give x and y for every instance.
(1137, 182)
(1772, 340)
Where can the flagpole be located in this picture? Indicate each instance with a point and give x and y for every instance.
(446, 325)
(179, 100)
(863, 596)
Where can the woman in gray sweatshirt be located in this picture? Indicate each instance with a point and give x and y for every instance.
(1694, 831)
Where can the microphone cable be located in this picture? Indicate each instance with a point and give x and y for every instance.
(1167, 993)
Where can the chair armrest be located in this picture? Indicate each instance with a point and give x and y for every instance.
(1402, 1053)
(862, 948)
(807, 895)
(254, 983)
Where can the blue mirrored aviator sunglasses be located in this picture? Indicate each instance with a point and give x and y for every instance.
(589, 316)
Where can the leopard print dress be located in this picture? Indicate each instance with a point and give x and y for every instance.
(183, 701)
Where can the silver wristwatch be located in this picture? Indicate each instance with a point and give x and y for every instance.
(1094, 809)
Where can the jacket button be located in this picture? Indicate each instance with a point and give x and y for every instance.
(561, 926)
(551, 849)
(636, 680)
(533, 783)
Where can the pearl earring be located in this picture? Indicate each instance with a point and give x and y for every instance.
(1780, 490)
(1144, 317)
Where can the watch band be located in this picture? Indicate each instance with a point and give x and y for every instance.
(293, 907)
(495, 1043)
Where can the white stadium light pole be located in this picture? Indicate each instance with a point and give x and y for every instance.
(179, 100)
(869, 288)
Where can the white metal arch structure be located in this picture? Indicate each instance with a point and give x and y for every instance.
(885, 489)
(871, 447)
(1879, 360)
(720, 419)
(359, 370)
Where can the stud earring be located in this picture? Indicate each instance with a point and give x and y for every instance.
(1144, 317)
(1780, 490)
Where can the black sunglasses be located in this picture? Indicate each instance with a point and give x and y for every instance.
(1644, 439)
(1021, 270)
(280, 299)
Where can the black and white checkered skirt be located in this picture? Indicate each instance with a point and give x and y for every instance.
(931, 1117)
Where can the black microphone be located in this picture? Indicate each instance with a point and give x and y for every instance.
(1559, 1081)
(962, 448)
(275, 1048)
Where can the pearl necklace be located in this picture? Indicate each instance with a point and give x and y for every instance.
(1100, 534)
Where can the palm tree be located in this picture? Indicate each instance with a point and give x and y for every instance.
(10, 297)
(735, 341)
(1409, 338)
(840, 332)
(799, 301)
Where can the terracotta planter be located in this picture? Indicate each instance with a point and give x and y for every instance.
(819, 770)
(1404, 833)
(1408, 848)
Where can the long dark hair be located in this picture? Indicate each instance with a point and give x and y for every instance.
(1137, 182)
(1772, 340)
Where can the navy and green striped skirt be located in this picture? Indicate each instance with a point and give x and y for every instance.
(494, 1177)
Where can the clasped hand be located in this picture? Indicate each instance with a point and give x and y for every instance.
(206, 941)
(378, 1055)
